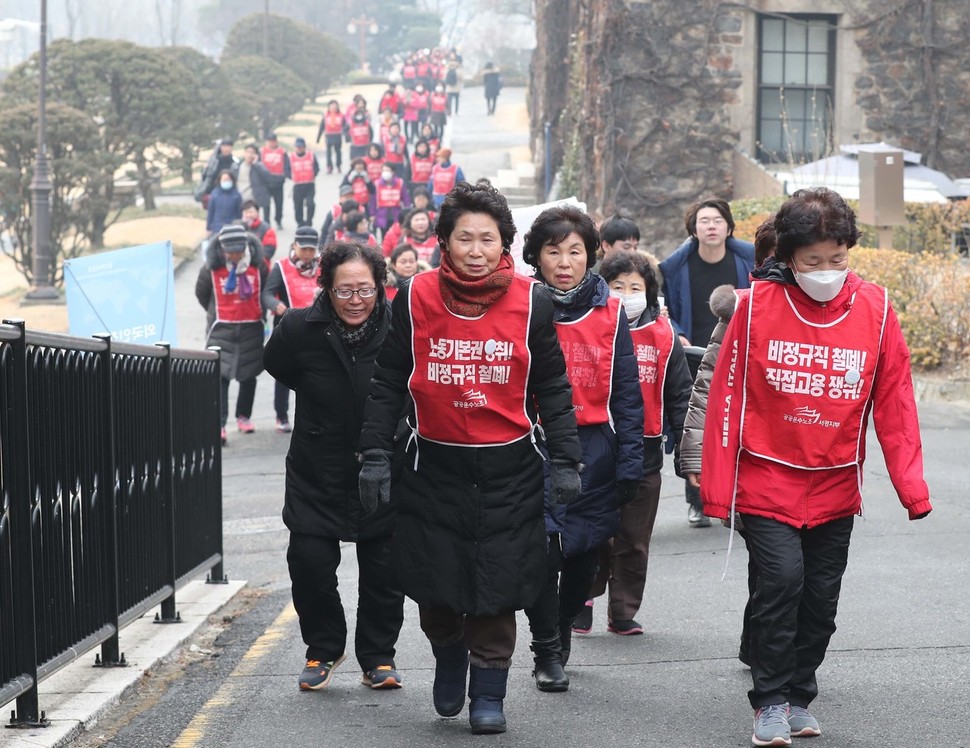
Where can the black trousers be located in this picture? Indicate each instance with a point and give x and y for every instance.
(453, 102)
(565, 592)
(313, 562)
(276, 196)
(281, 401)
(244, 401)
(799, 577)
(334, 147)
(304, 205)
(692, 495)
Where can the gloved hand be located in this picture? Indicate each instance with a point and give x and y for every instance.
(374, 482)
(565, 480)
(677, 471)
(627, 490)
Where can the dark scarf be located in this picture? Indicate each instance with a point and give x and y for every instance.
(579, 296)
(467, 296)
(772, 270)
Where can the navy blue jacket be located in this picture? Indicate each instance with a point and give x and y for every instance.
(677, 294)
(608, 456)
(225, 206)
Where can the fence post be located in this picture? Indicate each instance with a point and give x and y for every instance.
(28, 712)
(217, 575)
(168, 613)
(110, 655)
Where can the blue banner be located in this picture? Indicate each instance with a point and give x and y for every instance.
(127, 292)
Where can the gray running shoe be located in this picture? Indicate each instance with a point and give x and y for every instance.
(771, 726)
(802, 724)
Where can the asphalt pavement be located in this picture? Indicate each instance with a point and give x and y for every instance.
(897, 674)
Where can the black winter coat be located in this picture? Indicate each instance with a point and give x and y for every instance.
(241, 342)
(306, 354)
(470, 534)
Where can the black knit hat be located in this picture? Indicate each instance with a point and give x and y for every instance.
(233, 238)
(306, 236)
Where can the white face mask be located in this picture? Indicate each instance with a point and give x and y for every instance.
(633, 303)
(387, 175)
(821, 285)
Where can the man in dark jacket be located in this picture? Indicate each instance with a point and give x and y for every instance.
(222, 159)
(711, 257)
(254, 178)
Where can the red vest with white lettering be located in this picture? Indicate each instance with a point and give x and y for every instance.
(653, 344)
(424, 68)
(230, 307)
(439, 102)
(301, 168)
(333, 123)
(300, 289)
(360, 133)
(421, 168)
(394, 148)
(272, 159)
(444, 178)
(419, 101)
(389, 195)
(808, 386)
(426, 248)
(409, 72)
(587, 345)
(373, 166)
(470, 374)
(361, 193)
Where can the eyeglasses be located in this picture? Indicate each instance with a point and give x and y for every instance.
(347, 293)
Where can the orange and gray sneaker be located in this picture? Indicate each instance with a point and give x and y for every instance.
(383, 676)
(317, 674)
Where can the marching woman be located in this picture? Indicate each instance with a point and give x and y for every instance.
(332, 126)
(602, 369)
(474, 345)
(807, 357)
(402, 265)
(325, 352)
(665, 384)
(228, 288)
(291, 283)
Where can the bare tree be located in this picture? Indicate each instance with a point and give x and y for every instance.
(168, 27)
(72, 9)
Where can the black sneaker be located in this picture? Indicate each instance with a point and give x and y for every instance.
(625, 628)
(583, 623)
(383, 676)
(316, 675)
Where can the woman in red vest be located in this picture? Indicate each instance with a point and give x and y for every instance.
(333, 126)
(402, 265)
(292, 282)
(229, 287)
(438, 116)
(474, 346)
(325, 352)
(665, 384)
(444, 176)
(420, 165)
(806, 359)
(602, 369)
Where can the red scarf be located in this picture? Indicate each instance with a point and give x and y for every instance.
(470, 296)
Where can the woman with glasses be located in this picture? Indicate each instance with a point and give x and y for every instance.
(474, 346)
(326, 353)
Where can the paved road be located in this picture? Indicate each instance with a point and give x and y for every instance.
(897, 673)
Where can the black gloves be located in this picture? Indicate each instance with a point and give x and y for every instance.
(677, 470)
(565, 480)
(374, 482)
(626, 490)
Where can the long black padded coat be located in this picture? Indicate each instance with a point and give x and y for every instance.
(306, 354)
(470, 534)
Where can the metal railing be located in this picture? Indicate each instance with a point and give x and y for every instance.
(110, 496)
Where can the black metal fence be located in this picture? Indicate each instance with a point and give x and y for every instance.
(110, 495)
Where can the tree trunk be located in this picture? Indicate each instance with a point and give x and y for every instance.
(145, 182)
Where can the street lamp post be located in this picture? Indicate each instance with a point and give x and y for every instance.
(362, 26)
(40, 186)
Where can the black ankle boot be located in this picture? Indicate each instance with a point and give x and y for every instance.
(549, 675)
(566, 641)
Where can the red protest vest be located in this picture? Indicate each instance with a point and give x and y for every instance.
(360, 133)
(273, 159)
(439, 102)
(300, 289)
(419, 100)
(373, 166)
(470, 374)
(394, 149)
(301, 168)
(361, 193)
(652, 344)
(230, 307)
(333, 123)
(807, 387)
(389, 195)
(421, 168)
(409, 72)
(444, 178)
(426, 248)
(423, 69)
(587, 345)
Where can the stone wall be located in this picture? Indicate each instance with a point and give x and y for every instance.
(644, 96)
